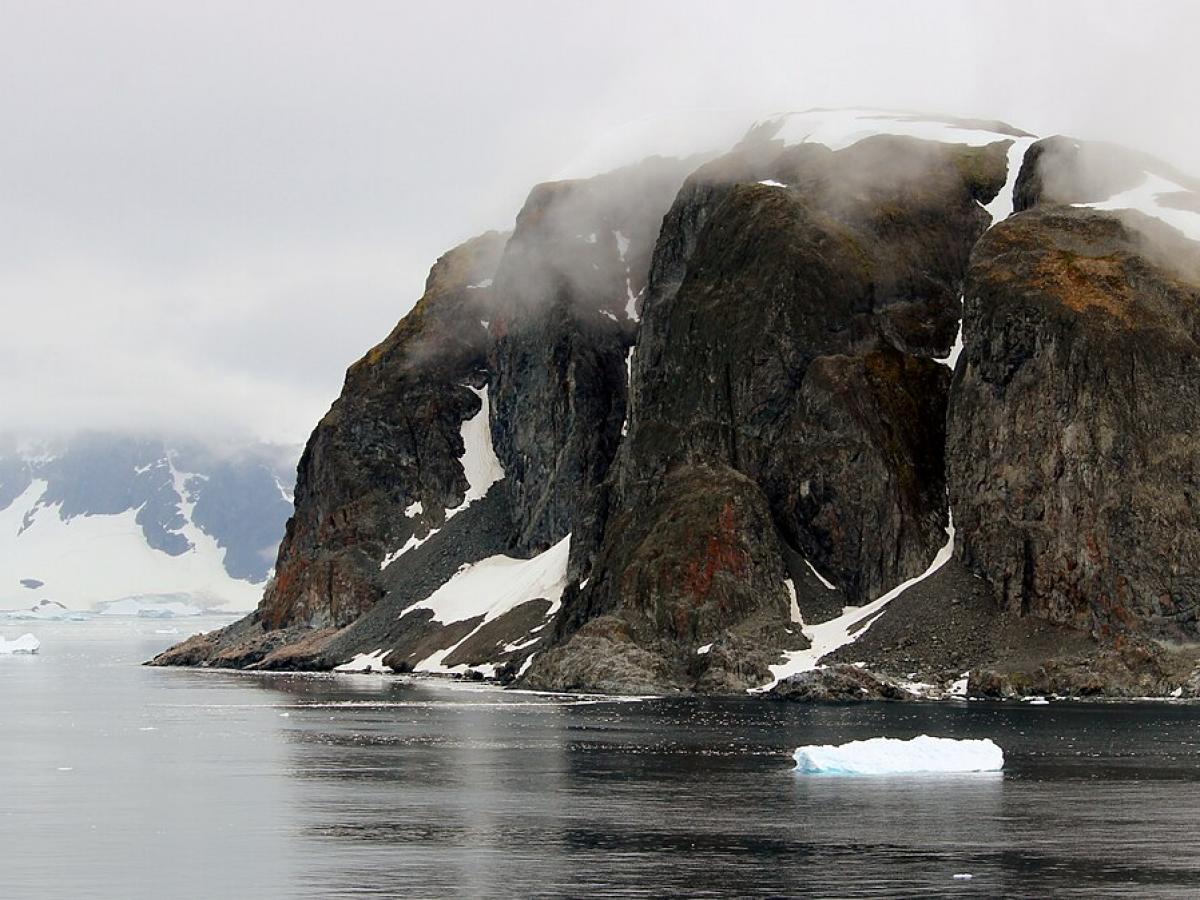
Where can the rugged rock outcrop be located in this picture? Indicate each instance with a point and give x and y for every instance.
(390, 443)
(567, 293)
(658, 438)
(525, 336)
(1073, 445)
(795, 299)
(839, 683)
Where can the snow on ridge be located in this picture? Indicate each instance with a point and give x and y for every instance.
(827, 637)
(950, 360)
(479, 461)
(821, 578)
(840, 128)
(1144, 199)
(631, 298)
(794, 603)
(1001, 206)
(622, 244)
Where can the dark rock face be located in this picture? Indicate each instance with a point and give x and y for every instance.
(569, 279)
(542, 320)
(1073, 447)
(1129, 669)
(779, 352)
(810, 388)
(700, 566)
(391, 440)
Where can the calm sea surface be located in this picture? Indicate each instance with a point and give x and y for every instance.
(126, 782)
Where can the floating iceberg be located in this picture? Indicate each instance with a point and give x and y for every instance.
(26, 643)
(889, 756)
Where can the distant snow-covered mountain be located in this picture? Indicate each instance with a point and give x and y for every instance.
(104, 518)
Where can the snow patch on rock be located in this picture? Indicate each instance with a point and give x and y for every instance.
(365, 662)
(481, 467)
(492, 587)
(1144, 199)
(852, 624)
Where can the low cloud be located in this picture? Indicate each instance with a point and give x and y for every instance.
(210, 210)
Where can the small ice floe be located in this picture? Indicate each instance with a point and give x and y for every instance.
(1038, 701)
(923, 755)
(962, 876)
(26, 643)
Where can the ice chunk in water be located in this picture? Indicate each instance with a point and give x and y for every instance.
(889, 756)
(26, 643)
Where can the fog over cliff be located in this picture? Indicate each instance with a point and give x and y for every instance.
(210, 210)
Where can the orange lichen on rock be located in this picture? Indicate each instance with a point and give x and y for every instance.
(1084, 283)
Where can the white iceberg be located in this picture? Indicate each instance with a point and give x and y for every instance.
(26, 643)
(889, 756)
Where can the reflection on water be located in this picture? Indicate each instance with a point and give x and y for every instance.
(119, 781)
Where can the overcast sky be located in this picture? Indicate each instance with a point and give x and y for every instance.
(209, 209)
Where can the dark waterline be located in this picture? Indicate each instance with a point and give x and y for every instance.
(122, 781)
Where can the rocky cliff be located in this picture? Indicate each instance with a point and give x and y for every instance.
(698, 424)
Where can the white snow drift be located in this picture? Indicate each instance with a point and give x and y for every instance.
(922, 755)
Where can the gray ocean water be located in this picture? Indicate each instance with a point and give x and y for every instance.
(126, 782)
